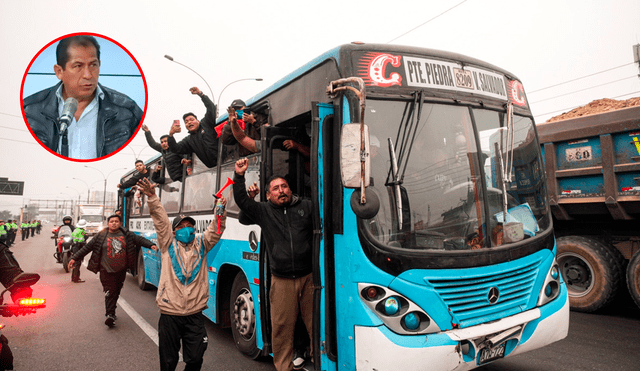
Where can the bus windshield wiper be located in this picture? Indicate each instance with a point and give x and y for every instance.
(395, 181)
(407, 131)
(506, 164)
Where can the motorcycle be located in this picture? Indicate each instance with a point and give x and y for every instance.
(23, 304)
(65, 242)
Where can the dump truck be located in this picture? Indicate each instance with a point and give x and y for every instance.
(593, 169)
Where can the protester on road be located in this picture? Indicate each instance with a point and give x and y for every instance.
(114, 250)
(183, 289)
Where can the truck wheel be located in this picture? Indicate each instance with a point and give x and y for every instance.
(242, 317)
(590, 271)
(141, 276)
(633, 277)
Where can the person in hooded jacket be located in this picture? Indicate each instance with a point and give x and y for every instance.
(183, 289)
(287, 225)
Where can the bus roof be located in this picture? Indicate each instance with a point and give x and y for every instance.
(343, 52)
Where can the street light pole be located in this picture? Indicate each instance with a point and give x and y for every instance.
(104, 192)
(205, 81)
(233, 82)
(87, 184)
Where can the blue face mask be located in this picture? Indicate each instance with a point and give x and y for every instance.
(186, 234)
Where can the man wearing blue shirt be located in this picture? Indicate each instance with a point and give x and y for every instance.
(104, 120)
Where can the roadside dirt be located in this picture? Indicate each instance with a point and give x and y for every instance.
(597, 106)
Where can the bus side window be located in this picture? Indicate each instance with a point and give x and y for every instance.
(252, 175)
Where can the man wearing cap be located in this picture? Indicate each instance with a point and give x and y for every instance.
(183, 289)
(114, 251)
(243, 128)
(202, 139)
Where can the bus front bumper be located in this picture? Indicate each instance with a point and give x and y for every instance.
(377, 348)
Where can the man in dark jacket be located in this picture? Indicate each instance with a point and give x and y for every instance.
(287, 225)
(143, 172)
(115, 250)
(172, 161)
(202, 139)
(104, 119)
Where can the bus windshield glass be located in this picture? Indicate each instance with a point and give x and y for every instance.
(447, 192)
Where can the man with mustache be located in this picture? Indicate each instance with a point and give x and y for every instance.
(287, 224)
(104, 120)
(202, 139)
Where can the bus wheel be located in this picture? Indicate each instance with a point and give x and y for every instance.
(242, 317)
(591, 273)
(633, 277)
(141, 276)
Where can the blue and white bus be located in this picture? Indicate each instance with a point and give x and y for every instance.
(431, 250)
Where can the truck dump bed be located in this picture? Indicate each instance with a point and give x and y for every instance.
(593, 165)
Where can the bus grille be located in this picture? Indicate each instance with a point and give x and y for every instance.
(467, 296)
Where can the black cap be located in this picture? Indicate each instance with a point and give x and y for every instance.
(237, 104)
(179, 219)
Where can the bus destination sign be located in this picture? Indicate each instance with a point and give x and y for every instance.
(386, 70)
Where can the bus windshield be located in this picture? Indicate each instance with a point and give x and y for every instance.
(447, 193)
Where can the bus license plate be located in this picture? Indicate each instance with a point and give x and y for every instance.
(491, 354)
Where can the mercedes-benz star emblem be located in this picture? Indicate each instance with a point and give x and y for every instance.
(494, 295)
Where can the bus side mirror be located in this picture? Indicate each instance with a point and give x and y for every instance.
(351, 156)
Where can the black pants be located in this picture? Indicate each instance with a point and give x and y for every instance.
(190, 329)
(111, 285)
(75, 273)
(25, 233)
(33, 230)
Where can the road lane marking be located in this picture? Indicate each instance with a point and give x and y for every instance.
(141, 322)
(151, 331)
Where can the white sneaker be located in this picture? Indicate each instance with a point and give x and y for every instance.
(298, 360)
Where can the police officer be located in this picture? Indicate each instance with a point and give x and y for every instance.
(11, 232)
(3, 232)
(78, 236)
(24, 230)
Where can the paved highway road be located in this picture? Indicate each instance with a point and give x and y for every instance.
(70, 333)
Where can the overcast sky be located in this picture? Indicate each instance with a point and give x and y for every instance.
(544, 43)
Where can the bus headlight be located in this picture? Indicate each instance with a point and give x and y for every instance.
(551, 286)
(391, 305)
(411, 321)
(398, 313)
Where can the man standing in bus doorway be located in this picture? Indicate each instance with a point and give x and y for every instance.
(202, 139)
(183, 289)
(286, 221)
(114, 251)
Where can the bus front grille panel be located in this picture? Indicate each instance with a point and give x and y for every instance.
(478, 298)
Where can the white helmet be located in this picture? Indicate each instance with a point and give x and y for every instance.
(81, 223)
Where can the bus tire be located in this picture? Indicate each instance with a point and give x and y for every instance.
(242, 317)
(633, 277)
(590, 271)
(141, 276)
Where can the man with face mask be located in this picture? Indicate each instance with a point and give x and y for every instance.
(183, 289)
(114, 251)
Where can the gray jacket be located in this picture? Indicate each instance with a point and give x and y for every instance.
(118, 119)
